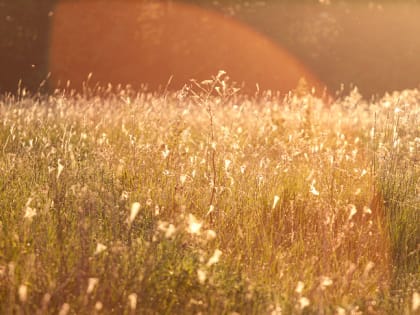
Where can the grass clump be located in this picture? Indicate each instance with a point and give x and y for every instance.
(209, 201)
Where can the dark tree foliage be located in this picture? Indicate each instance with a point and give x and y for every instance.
(24, 35)
(24, 29)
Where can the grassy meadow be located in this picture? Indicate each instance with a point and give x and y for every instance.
(208, 201)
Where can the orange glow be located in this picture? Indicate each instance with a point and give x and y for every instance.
(133, 43)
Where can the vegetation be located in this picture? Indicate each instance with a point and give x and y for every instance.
(209, 201)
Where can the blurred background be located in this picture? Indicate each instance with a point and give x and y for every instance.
(374, 45)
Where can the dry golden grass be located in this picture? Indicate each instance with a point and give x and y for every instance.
(209, 201)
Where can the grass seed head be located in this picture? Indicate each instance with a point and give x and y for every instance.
(132, 301)
(275, 201)
(92, 283)
(64, 310)
(60, 168)
(135, 208)
(98, 306)
(23, 293)
(415, 305)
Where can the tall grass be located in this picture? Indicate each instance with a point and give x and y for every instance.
(209, 201)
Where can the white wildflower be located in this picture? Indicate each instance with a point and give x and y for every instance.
(201, 275)
(313, 190)
(304, 302)
(210, 235)
(367, 210)
(182, 179)
(353, 211)
(168, 229)
(165, 153)
(29, 213)
(215, 258)
(299, 287)
(124, 195)
(194, 226)
(326, 282)
(100, 248)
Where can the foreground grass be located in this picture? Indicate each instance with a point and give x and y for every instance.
(204, 201)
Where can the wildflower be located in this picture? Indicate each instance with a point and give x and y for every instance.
(202, 276)
(157, 210)
(165, 153)
(227, 164)
(135, 208)
(168, 229)
(326, 282)
(92, 282)
(23, 293)
(299, 287)
(29, 213)
(353, 211)
(210, 235)
(124, 195)
(367, 210)
(276, 310)
(194, 226)
(100, 248)
(313, 190)
(215, 258)
(304, 302)
(132, 301)
(182, 179)
(276, 200)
